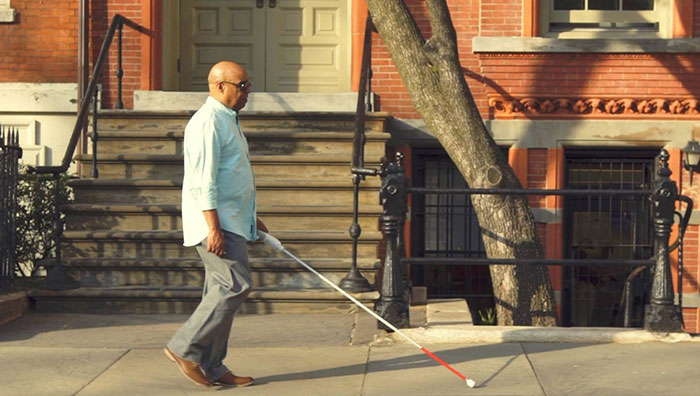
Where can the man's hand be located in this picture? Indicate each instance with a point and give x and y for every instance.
(261, 226)
(215, 239)
(215, 242)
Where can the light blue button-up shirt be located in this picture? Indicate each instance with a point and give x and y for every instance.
(218, 175)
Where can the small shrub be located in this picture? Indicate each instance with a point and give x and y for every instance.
(488, 317)
(35, 219)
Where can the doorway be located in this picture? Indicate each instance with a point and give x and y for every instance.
(285, 45)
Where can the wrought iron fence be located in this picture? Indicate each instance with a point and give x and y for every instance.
(10, 153)
(660, 313)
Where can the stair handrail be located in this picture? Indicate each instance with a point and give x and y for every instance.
(57, 278)
(354, 281)
(364, 103)
(118, 21)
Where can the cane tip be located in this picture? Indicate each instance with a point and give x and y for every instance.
(471, 383)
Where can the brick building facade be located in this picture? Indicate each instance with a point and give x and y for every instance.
(547, 95)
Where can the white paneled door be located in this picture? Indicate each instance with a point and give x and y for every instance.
(286, 45)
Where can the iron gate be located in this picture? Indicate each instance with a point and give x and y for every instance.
(10, 153)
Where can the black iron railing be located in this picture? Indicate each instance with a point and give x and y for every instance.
(10, 153)
(661, 314)
(354, 281)
(56, 278)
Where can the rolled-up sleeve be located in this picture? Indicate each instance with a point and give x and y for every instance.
(204, 153)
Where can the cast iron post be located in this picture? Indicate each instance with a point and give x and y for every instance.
(661, 314)
(392, 304)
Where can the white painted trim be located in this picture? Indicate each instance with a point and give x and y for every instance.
(7, 14)
(38, 97)
(590, 45)
(32, 152)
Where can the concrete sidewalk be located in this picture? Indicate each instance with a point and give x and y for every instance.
(316, 354)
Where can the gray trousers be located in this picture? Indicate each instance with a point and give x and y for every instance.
(227, 283)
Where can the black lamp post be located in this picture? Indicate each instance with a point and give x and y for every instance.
(691, 157)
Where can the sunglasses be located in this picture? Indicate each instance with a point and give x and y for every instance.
(243, 85)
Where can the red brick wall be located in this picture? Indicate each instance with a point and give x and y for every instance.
(623, 75)
(386, 81)
(41, 45)
(696, 18)
(102, 15)
(501, 18)
(537, 175)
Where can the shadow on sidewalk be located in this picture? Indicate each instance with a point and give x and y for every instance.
(416, 361)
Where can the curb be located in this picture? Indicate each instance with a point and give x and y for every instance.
(460, 334)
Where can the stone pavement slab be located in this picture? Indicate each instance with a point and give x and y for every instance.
(616, 369)
(30, 371)
(400, 370)
(277, 371)
(154, 331)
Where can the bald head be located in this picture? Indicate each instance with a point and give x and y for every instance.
(223, 79)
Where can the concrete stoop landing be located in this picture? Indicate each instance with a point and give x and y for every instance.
(123, 238)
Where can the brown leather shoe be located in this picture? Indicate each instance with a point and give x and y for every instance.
(231, 380)
(191, 370)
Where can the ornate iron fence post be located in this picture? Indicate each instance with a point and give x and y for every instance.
(661, 314)
(392, 304)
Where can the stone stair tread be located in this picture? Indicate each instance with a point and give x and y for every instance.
(306, 134)
(260, 182)
(262, 209)
(196, 293)
(286, 235)
(121, 113)
(196, 263)
(264, 158)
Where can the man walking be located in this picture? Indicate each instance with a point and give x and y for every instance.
(218, 218)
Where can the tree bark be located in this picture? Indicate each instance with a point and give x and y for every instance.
(431, 72)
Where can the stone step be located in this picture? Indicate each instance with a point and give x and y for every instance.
(168, 217)
(168, 244)
(147, 300)
(118, 120)
(259, 142)
(159, 166)
(287, 273)
(271, 192)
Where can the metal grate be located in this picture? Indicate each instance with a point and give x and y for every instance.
(599, 227)
(445, 225)
(10, 153)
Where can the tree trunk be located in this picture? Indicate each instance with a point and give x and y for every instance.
(432, 73)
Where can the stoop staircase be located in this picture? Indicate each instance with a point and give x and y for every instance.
(123, 238)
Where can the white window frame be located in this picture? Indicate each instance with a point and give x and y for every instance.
(662, 14)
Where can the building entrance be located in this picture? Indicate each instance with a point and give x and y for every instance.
(285, 45)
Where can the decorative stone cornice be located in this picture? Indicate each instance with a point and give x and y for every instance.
(592, 107)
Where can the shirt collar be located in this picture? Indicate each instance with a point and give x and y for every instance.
(216, 105)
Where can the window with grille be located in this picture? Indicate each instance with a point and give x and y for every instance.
(606, 18)
(445, 225)
(610, 228)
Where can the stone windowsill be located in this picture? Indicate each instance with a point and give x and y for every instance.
(550, 45)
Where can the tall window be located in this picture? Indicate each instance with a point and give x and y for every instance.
(606, 18)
